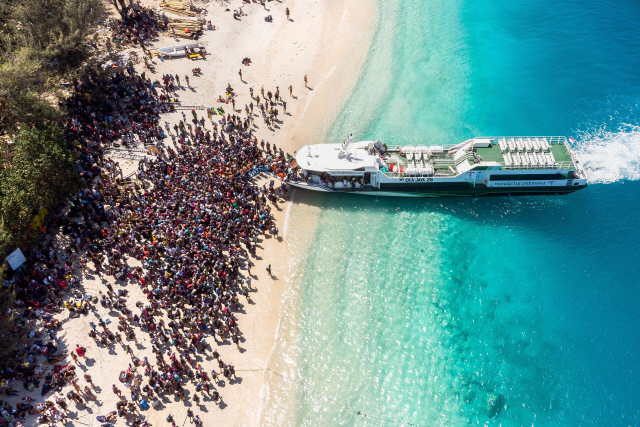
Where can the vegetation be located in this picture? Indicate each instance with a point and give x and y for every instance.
(123, 7)
(39, 172)
(41, 42)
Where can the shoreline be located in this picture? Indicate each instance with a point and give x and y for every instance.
(331, 53)
(353, 23)
(334, 53)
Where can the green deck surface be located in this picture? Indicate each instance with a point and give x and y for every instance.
(493, 154)
(560, 153)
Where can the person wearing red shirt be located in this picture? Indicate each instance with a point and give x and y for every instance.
(80, 351)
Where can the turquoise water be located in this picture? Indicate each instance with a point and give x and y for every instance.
(496, 311)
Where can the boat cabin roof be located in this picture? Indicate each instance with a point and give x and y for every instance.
(327, 157)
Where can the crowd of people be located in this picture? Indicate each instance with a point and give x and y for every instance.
(191, 220)
(142, 25)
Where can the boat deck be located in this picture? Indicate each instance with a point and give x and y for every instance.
(446, 165)
(494, 154)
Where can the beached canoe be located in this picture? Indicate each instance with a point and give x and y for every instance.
(178, 50)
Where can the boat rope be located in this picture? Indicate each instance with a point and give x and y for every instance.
(346, 407)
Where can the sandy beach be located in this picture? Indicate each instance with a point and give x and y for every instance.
(328, 42)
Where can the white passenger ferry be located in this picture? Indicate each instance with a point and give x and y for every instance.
(476, 167)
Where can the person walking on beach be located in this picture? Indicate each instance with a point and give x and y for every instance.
(290, 90)
(284, 106)
(240, 74)
(178, 79)
(80, 350)
(305, 81)
(287, 14)
(269, 266)
(186, 78)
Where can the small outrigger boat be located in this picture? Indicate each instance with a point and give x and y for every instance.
(178, 50)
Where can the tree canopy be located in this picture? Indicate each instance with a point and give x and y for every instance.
(39, 172)
(123, 7)
(41, 42)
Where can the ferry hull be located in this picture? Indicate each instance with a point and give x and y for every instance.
(478, 191)
(476, 167)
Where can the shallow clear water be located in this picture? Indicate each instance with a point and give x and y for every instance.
(495, 311)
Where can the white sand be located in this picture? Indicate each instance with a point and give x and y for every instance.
(328, 41)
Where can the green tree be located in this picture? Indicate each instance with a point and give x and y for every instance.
(39, 172)
(48, 27)
(23, 95)
(41, 42)
(123, 7)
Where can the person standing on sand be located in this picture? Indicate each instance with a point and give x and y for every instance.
(290, 90)
(269, 266)
(80, 350)
(284, 106)
(305, 81)
(240, 74)
(287, 14)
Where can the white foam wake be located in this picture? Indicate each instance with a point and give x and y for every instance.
(611, 156)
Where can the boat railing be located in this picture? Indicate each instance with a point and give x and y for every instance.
(309, 184)
(576, 160)
(404, 175)
(418, 175)
(556, 165)
(442, 173)
(446, 147)
(444, 162)
(550, 139)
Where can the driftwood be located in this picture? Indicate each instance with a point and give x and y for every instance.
(178, 6)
